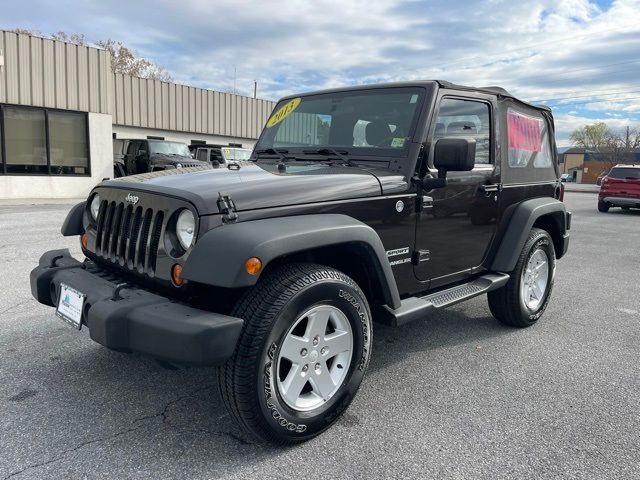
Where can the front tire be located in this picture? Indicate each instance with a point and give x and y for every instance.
(523, 300)
(301, 356)
(603, 206)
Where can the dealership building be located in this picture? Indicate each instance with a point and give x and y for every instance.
(61, 106)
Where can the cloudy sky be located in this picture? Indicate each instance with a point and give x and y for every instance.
(581, 57)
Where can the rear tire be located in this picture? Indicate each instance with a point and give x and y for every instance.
(603, 206)
(523, 300)
(293, 372)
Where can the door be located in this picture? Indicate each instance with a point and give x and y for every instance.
(457, 222)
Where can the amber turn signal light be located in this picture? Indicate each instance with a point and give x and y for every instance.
(84, 241)
(253, 265)
(176, 275)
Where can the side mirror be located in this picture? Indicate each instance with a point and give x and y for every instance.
(141, 153)
(454, 154)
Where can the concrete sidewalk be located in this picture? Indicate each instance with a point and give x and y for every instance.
(581, 187)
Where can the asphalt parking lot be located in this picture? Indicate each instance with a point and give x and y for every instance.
(456, 395)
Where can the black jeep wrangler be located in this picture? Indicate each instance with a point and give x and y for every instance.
(144, 156)
(382, 202)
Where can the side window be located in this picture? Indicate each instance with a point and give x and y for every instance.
(131, 149)
(202, 154)
(465, 118)
(528, 140)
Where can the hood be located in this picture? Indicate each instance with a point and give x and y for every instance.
(256, 186)
(171, 159)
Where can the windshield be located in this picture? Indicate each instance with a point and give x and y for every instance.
(169, 148)
(230, 154)
(379, 122)
(624, 173)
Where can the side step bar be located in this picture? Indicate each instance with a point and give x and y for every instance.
(413, 308)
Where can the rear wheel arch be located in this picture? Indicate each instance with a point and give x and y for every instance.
(545, 213)
(553, 224)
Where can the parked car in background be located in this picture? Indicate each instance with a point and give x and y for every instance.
(151, 155)
(566, 177)
(219, 154)
(620, 188)
(601, 176)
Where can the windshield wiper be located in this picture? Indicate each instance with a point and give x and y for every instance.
(273, 151)
(330, 151)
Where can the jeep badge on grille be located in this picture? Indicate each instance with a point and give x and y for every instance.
(132, 198)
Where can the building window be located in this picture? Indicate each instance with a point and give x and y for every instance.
(68, 143)
(39, 141)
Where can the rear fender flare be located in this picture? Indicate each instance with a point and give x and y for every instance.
(519, 225)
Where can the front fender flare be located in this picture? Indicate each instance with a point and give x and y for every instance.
(219, 256)
(73, 223)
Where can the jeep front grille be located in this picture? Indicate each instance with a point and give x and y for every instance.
(129, 235)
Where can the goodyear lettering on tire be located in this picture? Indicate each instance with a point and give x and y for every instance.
(283, 112)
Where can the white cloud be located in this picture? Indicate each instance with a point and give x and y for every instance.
(540, 49)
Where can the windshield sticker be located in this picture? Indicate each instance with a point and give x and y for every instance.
(397, 142)
(414, 98)
(283, 112)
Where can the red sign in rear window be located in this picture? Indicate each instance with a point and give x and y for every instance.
(524, 132)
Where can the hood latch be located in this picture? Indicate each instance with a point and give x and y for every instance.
(227, 208)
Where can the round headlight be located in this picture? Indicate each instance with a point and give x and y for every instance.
(178, 165)
(185, 228)
(94, 207)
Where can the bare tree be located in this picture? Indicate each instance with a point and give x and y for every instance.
(123, 59)
(75, 38)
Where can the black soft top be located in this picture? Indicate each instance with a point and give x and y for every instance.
(499, 91)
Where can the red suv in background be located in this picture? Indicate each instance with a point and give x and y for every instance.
(620, 188)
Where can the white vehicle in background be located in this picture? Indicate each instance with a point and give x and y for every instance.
(219, 154)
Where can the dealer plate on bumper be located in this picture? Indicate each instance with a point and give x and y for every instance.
(70, 306)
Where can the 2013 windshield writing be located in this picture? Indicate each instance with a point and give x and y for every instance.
(367, 122)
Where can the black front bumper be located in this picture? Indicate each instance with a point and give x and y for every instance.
(135, 320)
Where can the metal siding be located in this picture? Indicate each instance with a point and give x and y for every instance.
(72, 76)
(178, 107)
(83, 78)
(164, 90)
(172, 106)
(60, 64)
(107, 96)
(198, 125)
(135, 101)
(48, 74)
(216, 113)
(24, 70)
(94, 80)
(3, 87)
(158, 103)
(142, 93)
(118, 84)
(11, 68)
(192, 109)
(185, 108)
(37, 92)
